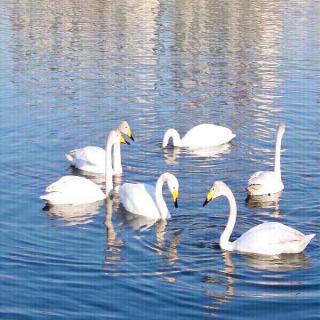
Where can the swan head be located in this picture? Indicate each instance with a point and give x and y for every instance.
(115, 136)
(282, 128)
(125, 129)
(173, 185)
(171, 133)
(216, 190)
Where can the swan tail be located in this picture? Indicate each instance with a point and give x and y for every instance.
(54, 198)
(70, 156)
(229, 137)
(46, 197)
(306, 241)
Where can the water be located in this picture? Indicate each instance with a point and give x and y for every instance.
(71, 71)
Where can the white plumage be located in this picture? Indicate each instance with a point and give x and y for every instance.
(92, 159)
(146, 200)
(140, 198)
(72, 190)
(264, 182)
(272, 238)
(268, 238)
(201, 136)
(78, 190)
(268, 182)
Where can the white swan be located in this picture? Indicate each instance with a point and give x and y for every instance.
(268, 238)
(201, 136)
(268, 182)
(78, 190)
(144, 199)
(92, 159)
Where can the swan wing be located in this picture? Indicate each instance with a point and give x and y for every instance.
(205, 135)
(73, 190)
(262, 177)
(89, 155)
(264, 182)
(272, 238)
(64, 184)
(139, 198)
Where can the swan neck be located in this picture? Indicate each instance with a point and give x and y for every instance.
(174, 134)
(277, 167)
(117, 166)
(108, 169)
(162, 207)
(225, 237)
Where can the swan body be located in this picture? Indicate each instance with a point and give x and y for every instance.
(268, 238)
(78, 190)
(264, 182)
(72, 190)
(201, 136)
(92, 158)
(268, 182)
(146, 200)
(272, 238)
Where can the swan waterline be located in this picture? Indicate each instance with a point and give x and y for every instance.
(268, 182)
(268, 238)
(77, 190)
(146, 200)
(92, 159)
(200, 136)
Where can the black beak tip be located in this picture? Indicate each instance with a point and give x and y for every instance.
(132, 138)
(176, 204)
(205, 203)
(127, 142)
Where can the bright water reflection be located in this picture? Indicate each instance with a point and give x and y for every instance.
(71, 71)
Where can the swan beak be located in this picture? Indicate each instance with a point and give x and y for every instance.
(129, 134)
(208, 198)
(123, 140)
(175, 198)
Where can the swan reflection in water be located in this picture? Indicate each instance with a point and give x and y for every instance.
(113, 244)
(278, 265)
(171, 154)
(281, 263)
(142, 223)
(265, 202)
(73, 214)
(219, 299)
(160, 246)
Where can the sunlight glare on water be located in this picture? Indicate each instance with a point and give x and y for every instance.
(71, 71)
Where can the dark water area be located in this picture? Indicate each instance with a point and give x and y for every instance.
(70, 71)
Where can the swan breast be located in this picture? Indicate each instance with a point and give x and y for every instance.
(139, 198)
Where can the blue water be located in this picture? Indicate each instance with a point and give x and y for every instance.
(71, 71)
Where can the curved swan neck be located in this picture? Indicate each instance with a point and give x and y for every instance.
(161, 204)
(174, 134)
(117, 166)
(277, 168)
(108, 169)
(225, 237)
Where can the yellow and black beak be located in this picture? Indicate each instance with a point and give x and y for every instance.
(123, 140)
(208, 198)
(129, 134)
(175, 198)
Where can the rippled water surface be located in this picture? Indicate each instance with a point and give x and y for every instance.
(72, 70)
